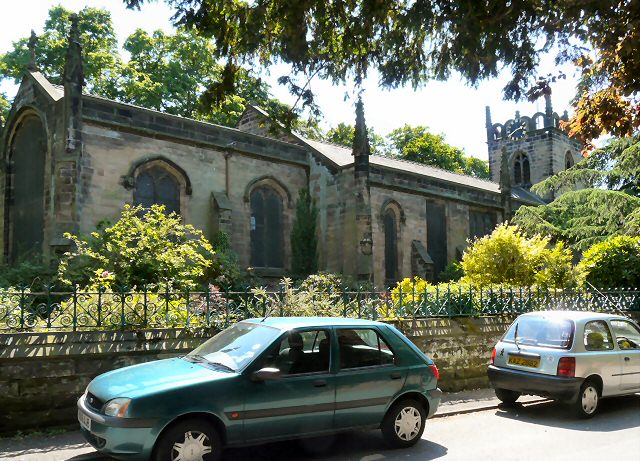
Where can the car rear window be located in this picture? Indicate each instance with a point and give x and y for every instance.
(541, 331)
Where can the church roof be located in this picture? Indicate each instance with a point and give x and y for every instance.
(342, 156)
(523, 195)
(55, 92)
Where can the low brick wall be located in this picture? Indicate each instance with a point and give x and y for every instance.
(43, 374)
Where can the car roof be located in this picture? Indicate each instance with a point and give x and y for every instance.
(287, 323)
(575, 315)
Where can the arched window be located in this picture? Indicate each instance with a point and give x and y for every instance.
(25, 189)
(568, 160)
(521, 170)
(267, 230)
(156, 185)
(390, 247)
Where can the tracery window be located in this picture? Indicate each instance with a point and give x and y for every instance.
(156, 185)
(521, 170)
(568, 161)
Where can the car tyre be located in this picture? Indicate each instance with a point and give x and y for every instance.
(193, 438)
(506, 396)
(404, 423)
(588, 401)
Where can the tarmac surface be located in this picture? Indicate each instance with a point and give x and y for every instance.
(468, 426)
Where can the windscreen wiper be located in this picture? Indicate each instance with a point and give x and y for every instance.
(515, 337)
(222, 365)
(196, 358)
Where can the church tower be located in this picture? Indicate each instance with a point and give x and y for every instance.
(536, 146)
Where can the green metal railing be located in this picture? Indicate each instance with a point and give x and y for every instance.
(50, 309)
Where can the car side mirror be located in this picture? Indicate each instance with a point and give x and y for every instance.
(266, 374)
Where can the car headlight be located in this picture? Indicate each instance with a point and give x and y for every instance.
(116, 407)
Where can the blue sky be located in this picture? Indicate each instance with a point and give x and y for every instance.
(451, 108)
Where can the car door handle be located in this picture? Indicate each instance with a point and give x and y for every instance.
(396, 375)
(626, 359)
(319, 383)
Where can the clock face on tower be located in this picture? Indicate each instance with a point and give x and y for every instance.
(518, 129)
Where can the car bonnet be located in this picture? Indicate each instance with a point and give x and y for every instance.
(152, 377)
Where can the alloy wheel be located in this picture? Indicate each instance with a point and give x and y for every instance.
(193, 448)
(408, 423)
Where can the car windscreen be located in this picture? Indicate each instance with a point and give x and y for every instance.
(541, 331)
(236, 346)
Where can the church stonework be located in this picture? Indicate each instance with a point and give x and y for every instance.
(537, 147)
(72, 160)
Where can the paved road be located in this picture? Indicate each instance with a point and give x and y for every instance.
(537, 431)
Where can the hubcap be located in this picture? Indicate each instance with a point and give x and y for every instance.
(408, 423)
(193, 448)
(589, 400)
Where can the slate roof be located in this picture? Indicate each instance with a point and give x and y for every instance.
(341, 156)
(526, 196)
(56, 92)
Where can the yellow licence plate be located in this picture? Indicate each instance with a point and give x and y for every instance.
(524, 362)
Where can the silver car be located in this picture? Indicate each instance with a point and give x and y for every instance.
(573, 357)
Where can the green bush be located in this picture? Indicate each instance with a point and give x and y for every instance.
(319, 294)
(417, 296)
(224, 270)
(144, 247)
(613, 263)
(32, 272)
(508, 256)
(452, 272)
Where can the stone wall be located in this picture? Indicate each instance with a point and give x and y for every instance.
(42, 375)
(460, 347)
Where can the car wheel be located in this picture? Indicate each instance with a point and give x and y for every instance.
(588, 401)
(189, 440)
(403, 424)
(506, 396)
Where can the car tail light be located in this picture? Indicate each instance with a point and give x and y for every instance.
(493, 356)
(567, 367)
(434, 370)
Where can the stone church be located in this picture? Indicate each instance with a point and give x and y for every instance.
(72, 159)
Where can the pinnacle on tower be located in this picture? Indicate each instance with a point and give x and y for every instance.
(33, 41)
(361, 148)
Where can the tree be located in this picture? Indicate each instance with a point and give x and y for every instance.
(411, 42)
(343, 134)
(304, 242)
(417, 144)
(5, 106)
(145, 246)
(100, 48)
(613, 263)
(582, 218)
(175, 73)
(508, 256)
(608, 205)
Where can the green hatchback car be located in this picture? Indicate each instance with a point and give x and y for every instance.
(263, 380)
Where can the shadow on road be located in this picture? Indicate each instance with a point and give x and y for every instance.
(364, 446)
(613, 415)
